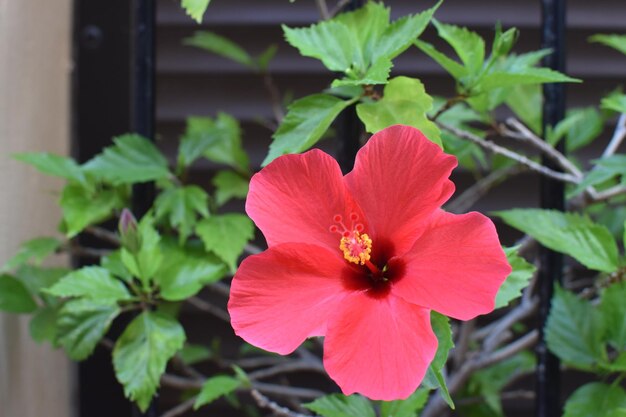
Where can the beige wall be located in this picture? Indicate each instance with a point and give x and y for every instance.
(34, 113)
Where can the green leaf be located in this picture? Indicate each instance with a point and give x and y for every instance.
(214, 388)
(81, 324)
(338, 405)
(82, 208)
(180, 205)
(306, 121)
(613, 310)
(443, 331)
(185, 271)
(133, 159)
(529, 75)
(228, 185)
(114, 264)
(55, 165)
(405, 408)
(405, 102)
(526, 101)
(146, 262)
(192, 354)
(596, 400)
(43, 325)
(378, 73)
(37, 280)
(264, 58)
(221, 46)
(577, 236)
(400, 34)
(331, 42)
(580, 126)
(455, 69)
(604, 170)
(468, 45)
(195, 8)
(490, 381)
(574, 331)
(434, 376)
(35, 249)
(141, 354)
(617, 42)
(522, 272)
(91, 282)
(14, 296)
(615, 102)
(226, 235)
(360, 43)
(218, 140)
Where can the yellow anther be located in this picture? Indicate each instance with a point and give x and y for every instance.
(356, 247)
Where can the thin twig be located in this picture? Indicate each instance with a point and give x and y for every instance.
(278, 410)
(220, 288)
(88, 252)
(274, 389)
(510, 395)
(286, 368)
(180, 408)
(182, 383)
(528, 136)
(275, 98)
(618, 136)
(437, 406)
(248, 363)
(252, 249)
(207, 307)
(462, 344)
(322, 7)
(338, 8)
(103, 234)
(511, 154)
(608, 193)
(470, 196)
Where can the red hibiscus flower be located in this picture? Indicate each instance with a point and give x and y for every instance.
(362, 259)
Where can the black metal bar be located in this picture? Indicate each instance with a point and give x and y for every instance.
(143, 84)
(350, 127)
(100, 111)
(552, 197)
(143, 109)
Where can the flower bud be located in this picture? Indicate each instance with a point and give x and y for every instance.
(127, 226)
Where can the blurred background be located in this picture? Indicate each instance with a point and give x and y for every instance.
(65, 87)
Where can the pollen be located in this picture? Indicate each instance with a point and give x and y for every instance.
(356, 248)
(355, 245)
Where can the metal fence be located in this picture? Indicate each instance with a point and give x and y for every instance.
(114, 92)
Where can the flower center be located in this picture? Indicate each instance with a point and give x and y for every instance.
(355, 245)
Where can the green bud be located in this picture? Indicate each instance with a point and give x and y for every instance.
(127, 226)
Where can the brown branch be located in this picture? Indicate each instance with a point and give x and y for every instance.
(497, 149)
(526, 135)
(618, 136)
(470, 196)
(207, 307)
(322, 7)
(286, 368)
(338, 7)
(277, 409)
(437, 405)
(103, 234)
(180, 408)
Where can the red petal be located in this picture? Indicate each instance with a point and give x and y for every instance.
(456, 266)
(379, 346)
(281, 296)
(399, 179)
(295, 198)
